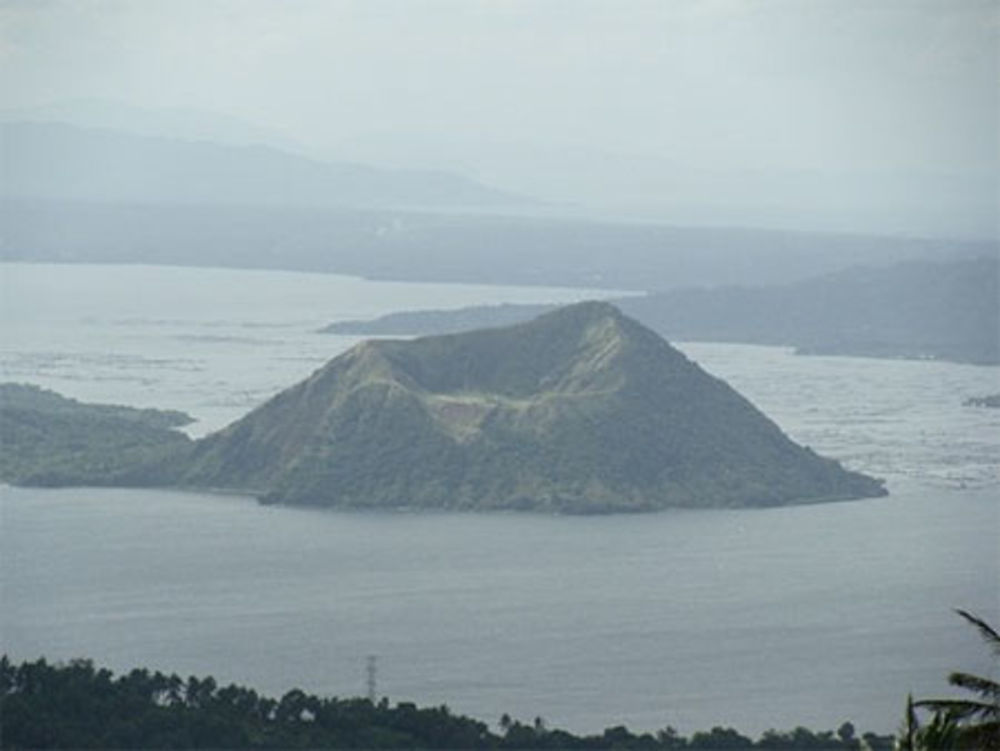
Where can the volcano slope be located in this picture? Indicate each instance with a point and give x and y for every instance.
(581, 410)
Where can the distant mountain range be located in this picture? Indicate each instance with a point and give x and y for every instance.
(119, 184)
(177, 123)
(582, 410)
(580, 182)
(469, 247)
(61, 161)
(705, 192)
(947, 311)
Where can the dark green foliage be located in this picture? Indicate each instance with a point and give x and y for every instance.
(48, 440)
(804, 738)
(719, 739)
(581, 410)
(79, 706)
(960, 724)
(878, 742)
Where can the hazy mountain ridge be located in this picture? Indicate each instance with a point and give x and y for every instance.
(179, 123)
(609, 185)
(438, 247)
(581, 410)
(82, 193)
(620, 182)
(62, 161)
(918, 309)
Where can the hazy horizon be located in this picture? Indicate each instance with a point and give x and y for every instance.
(847, 116)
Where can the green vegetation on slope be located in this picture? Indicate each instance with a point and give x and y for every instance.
(581, 410)
(47, 439)
(79, 706)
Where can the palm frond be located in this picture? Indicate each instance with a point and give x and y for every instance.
(910, 727)
(942, 732)
(990, 636)
(960, 724)
(983, 686)
(961, 709)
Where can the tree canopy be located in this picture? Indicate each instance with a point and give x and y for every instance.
(78, 705)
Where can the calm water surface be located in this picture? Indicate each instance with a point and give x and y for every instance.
(808, 615)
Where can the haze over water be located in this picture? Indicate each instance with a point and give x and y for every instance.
(808, 615)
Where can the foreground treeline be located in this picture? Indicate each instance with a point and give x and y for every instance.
(76, 705)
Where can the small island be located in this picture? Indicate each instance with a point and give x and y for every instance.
(581, 410)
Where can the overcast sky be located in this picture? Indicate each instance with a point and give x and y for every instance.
(779, 83)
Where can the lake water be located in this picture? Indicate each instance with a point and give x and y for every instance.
(804, 615)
